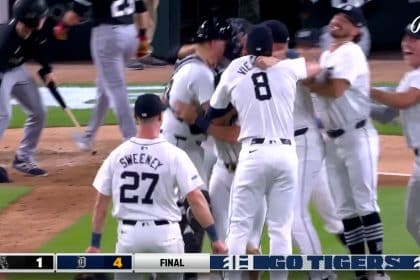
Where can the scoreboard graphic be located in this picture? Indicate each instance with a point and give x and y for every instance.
(201, 263)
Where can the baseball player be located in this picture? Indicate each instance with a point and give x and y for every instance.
(113, 42)
(407, 98)
(307, 44)
(24, 38)
(193, 83)
(267, 164)
(144, 177)
(352, 145)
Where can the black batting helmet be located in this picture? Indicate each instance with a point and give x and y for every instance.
(30, 12)
(212, 29)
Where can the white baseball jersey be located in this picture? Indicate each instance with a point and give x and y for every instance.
(304, 115)
(192, 83)
(349, 63)
(410, 116)
(277, 85)
(146, 178)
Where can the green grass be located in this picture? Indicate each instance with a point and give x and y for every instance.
(391, 200)
(11, 194)
(56, 117)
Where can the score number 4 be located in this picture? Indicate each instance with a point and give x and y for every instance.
(118, 262)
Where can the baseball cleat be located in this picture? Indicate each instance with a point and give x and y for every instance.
(82, 142)
(29, 167)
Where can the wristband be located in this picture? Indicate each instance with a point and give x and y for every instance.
(96, 240)
(203, 122)
(142, 34)
(211, 232)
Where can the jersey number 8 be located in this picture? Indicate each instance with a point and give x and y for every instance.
(135, 185)
(261, 86)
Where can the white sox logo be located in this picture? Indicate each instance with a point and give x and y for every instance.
(415, 25)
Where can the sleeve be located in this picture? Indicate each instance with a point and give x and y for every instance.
(80, 7)
(187, 175)
(296, 66)
(415, 81)
(140, 7)
(203, 86)
(221, 97)
(346, 66)
(42, 56)
(103, 179)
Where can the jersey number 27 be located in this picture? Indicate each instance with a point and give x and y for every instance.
(147, 199)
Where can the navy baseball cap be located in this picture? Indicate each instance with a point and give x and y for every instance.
(260, 41)
(279, 31)
(412, 31)
(354, 14)
(148, 105)
(308, 36)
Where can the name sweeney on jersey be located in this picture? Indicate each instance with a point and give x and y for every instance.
(142, 158)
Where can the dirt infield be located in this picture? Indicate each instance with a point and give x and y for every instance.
(65, 195)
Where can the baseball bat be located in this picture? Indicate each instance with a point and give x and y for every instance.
(54, 91)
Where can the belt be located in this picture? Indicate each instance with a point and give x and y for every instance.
(157, 222)
(231, 167)
(416, 152)
(301, 131)
(335, 133)
(272, 141)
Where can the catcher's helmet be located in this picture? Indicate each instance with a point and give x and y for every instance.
(212, 29)
(30, 12)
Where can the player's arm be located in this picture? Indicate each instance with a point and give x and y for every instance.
(189, 182)
(398, 100)
(221, 131)
(103, 186)
(142, 18)
(98, 220)
(42, 56)
(328, 88)
(312, 67)
(71, 18)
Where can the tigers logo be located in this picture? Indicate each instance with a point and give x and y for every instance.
(415, 25)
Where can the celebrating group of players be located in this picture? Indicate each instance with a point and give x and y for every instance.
(245, 125)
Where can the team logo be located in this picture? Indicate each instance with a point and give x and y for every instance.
(81, 262)
(415, 25)
(417, 263)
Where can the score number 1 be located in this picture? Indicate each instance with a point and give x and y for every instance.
(39, 261)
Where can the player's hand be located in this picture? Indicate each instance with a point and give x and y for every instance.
(144, 47)
(50, 78)
(189, 114)
(265, 62)
(61, 31)
(92, 249)
(219, 247)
